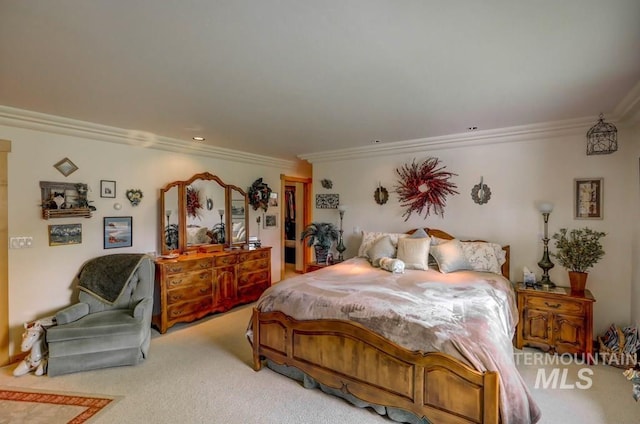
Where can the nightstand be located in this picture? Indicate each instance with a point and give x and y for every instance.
(555, 320)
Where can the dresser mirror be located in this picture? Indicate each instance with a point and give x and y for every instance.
(202, 212)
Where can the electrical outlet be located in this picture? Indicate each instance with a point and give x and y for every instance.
(20, 242)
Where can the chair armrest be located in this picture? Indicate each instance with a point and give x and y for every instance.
(138, 311)
(72, 313)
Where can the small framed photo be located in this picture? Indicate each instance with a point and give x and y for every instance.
(63, 234)
(327, 201)
(118, 231)
(273, 199)
(270, 221)
(588, 198)
(107, 188)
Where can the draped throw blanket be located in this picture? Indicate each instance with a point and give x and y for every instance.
(105, 277)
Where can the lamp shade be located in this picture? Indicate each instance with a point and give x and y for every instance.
(545, 207)
(342, 208)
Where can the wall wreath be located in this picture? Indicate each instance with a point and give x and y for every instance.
(424, 185)
(259, 193)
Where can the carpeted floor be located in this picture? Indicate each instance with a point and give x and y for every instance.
(46, 407)
(201, 373)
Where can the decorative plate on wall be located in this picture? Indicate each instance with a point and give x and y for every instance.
(381, 195)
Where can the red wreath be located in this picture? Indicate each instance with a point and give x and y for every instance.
(193, 202)
(424, 185)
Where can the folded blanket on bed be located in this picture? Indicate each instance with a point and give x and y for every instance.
(105, 277)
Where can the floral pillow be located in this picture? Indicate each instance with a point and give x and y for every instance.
(368, 238)
(484, 256)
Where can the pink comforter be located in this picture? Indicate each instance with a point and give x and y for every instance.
(468, 315)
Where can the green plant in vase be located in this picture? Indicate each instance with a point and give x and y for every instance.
(578, 250)
(321, 236)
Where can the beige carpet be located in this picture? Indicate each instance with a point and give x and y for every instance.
(46, 407)
(201, 373)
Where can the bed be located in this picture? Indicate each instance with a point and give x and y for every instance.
(421, 345)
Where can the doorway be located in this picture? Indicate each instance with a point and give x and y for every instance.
(295, 217)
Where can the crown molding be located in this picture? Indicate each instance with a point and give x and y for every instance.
(26, 119)
(628, 110)
(515, 134)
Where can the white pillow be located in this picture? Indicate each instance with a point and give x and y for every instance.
(450, 256)
(484, 256)
(368, 238)
(196, 235)
(414, 252)
(392, 265)
(382, 248)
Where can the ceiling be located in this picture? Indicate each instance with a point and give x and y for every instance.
(287, 77)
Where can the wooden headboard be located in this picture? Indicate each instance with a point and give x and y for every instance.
(444, 235)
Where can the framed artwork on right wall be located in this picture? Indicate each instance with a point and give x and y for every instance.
(588, 198)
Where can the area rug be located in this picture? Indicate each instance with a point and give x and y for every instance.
(19, 405)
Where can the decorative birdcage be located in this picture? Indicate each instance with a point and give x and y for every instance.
(602, 138)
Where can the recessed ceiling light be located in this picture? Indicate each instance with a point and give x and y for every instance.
(376, 141)
(198, 138)
(472, 128)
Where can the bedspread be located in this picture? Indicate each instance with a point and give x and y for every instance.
(468, 315)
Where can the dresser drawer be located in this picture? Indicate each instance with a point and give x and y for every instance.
(252, 278)
(187, 308)
(225, 260)
(252, 256)
(186, 266)
(254, 265)
(186, 293)
(564, 305)
(175, 281)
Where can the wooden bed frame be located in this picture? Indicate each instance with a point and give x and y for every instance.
(345, 355)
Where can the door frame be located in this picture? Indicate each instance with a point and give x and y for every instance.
(306, 216)
(5, 148)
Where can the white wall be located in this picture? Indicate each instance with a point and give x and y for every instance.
(633, 135)
(519, 174)
(41, 277)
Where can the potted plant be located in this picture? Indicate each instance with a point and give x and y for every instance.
(578, 250)
(320, 235)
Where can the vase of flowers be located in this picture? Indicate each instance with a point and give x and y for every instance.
(578, 250)
(321, 236)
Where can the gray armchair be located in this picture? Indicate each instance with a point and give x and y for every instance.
(111, 324)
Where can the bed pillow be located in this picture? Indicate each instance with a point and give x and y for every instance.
(196, 235)
(382, 248)
(419, 233)
(414, 252)
(368, 238)
(484, 256)
(450, 256)
(392, 265)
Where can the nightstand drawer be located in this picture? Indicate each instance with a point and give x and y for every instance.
(563, 305)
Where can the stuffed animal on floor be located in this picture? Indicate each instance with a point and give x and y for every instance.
(33, 340)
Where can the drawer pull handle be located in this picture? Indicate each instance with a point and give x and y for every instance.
(557, 305)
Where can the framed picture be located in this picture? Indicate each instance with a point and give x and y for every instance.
(63, 234)
(118, 231)
(107, 188)
(327, 201)
(66, 167)
(270, 221)
(237, 208)
(588, 198)
(273, 199)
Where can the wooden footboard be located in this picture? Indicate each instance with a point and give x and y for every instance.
(349, 357)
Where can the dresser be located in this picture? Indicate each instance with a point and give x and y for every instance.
(555, 320)
(197, 284)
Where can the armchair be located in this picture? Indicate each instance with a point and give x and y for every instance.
(111, 323)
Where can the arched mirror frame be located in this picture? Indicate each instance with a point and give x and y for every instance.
(232, 199)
